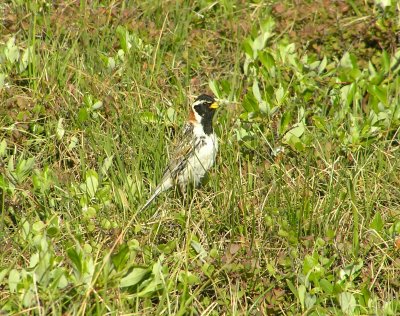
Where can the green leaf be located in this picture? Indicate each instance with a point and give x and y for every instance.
(72, 144)
(76, 260)
(326, 286)
(26, 58)
(352, 270)
(23, 168)
(213, 84)
(38, 226)
(60, 131)
(92, 182)
(25, 228)
(156, 282)
(385, 61)
(322, 65)
(3, 273)
(123, 37)
(247, 47)
(2, 80)
(83, 114)
(199, 249)
(97, 105)
(119, 258)
(250, 103)
(3, 148)
(171, 114)
(188, 278)
(14, 278)
(291, 287)
(346, 61)
(107, 164)
(293, 135)
(380, 92)
(89, 212)
(310, 262)
(279, 94)
(11, 51)
(134, 277)
(347, 94)
(266, 59)
(285, 120)
(302, 294)
(347, 303)
(377, 222)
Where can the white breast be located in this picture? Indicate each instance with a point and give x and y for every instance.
(203, 159)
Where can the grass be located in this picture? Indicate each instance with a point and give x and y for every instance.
(300, 214)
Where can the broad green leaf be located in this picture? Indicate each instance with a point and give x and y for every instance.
(322, 65)
(213, 84)
(347, 303)
(199, 249)
(92, 182)
(346, 61)
(60, 131)
(384, 3)
(89, 212)
(310, 300)
(26, 58)
(25, 228)
(76, 260)
(97, 105)
(385, 61)
(134, 277)
(110, 63)
(279, 94)
(171, 114)
(256, 91)
(352, 270)
(266, 59)
(247, 47)
(83, 114)
(14, 278)
(2, 80)
(288, 282)
(302, 294)
(73, 142)
(188, 278)
(107, 164)
(11, 51)
(156, 282)
(29, 297)
(123, 37)
(347, 94)
(297, 131)
(326, 286)
(3, 148)
(3, 273)
(38, 226)
(250, 103)
(119, 258)
(377, 222)
(285, 120)
(23, 168)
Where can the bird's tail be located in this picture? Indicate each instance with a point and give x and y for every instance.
(157, 191)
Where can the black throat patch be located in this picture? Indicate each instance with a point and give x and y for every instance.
(207, 115)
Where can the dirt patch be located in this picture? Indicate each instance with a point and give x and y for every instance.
(332, 27)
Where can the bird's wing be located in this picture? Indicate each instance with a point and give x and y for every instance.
(180, 153)
(182, 150)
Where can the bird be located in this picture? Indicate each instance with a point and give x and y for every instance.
(194, 152)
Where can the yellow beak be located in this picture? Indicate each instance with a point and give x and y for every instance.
(214, 105)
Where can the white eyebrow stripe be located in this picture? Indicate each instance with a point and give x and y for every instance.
(198, 102)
